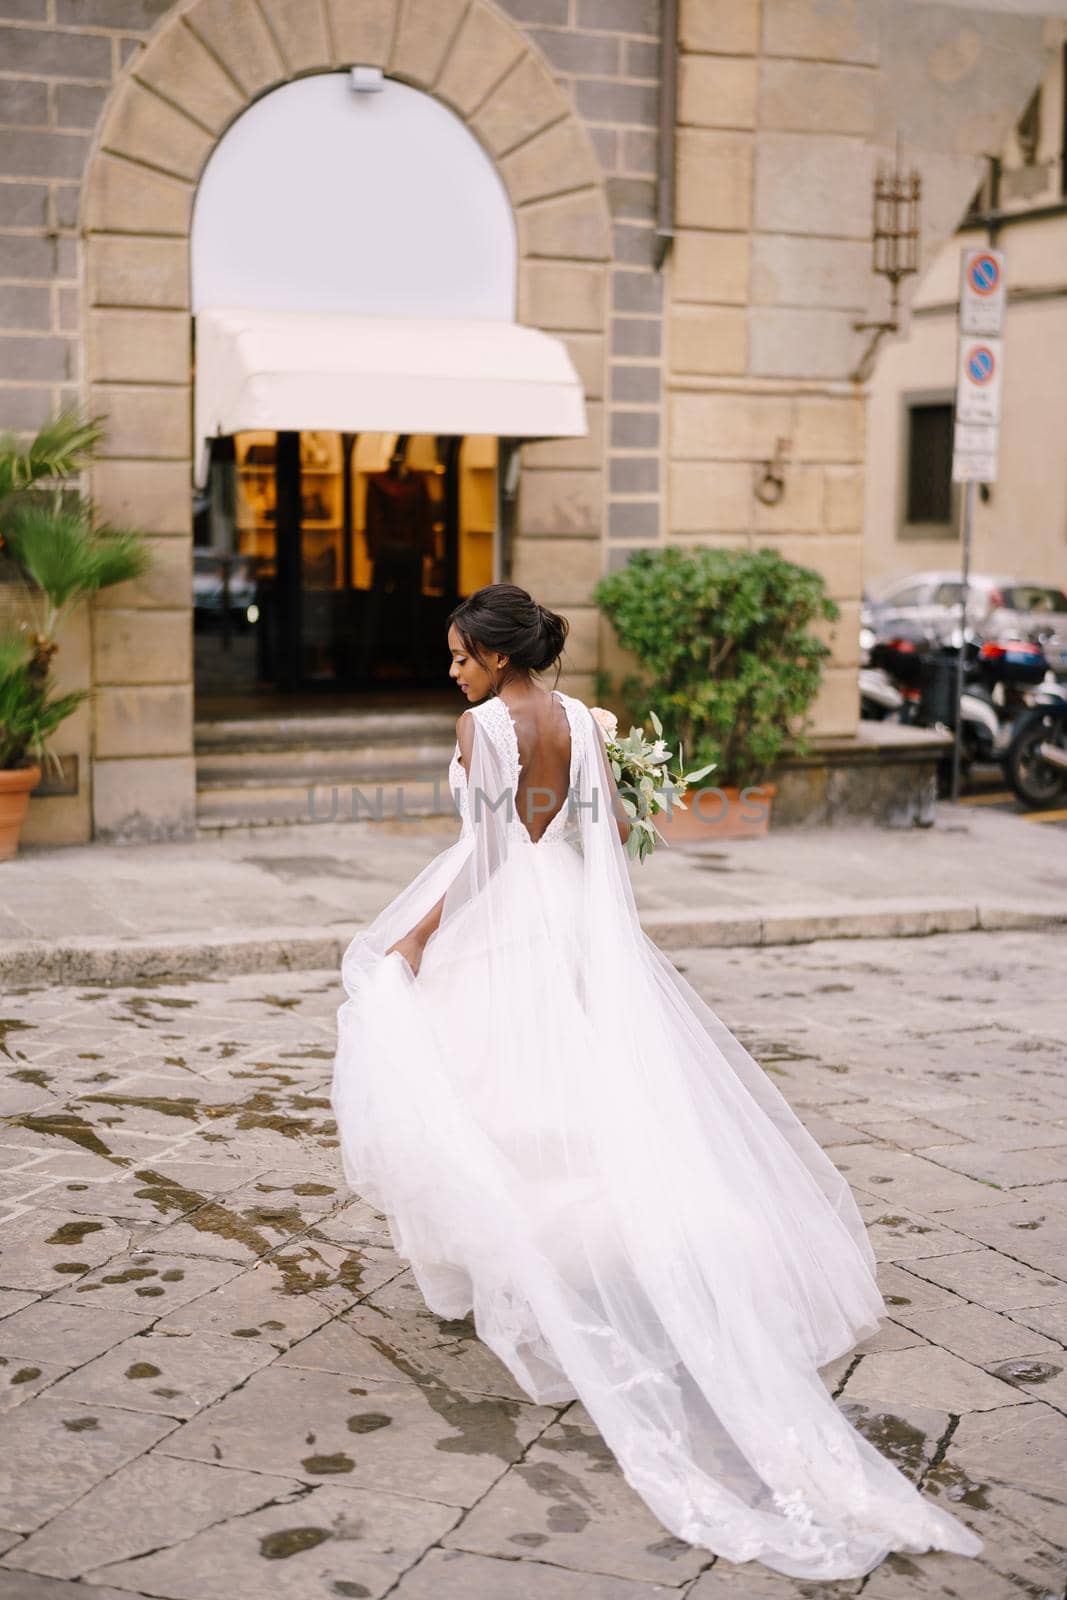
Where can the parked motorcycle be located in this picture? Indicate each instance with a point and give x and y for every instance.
(1036, 763)
(1003, 680)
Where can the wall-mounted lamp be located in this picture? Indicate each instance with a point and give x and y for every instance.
(895, 244)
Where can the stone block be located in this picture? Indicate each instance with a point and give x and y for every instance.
(559, 502)
(143, 721)
(584, 452)
(559, 572)
(575, 226)
(167, 583)
(124, 198)
(138, 347)
(714, 179)
(711, 267)
(42, 153)
(637, 385)
(484, 50)
(729, 26)
(36, 358)
(181, 68)
(798, 343)
(583, 55)
(843, 636)
(362, 31)
(149, 273)
(155, 496)
(300, 31)
(142, 647)
(634, 475)
(563, 296)
(829, 428)
(788, 270)
(24, 205)
(25, 306)
(822, 30)
(635, 430)
(637, 336)
(800, 510)
(424, 33)
(839, 560)
(560, 158)
(634, 519)
(708, 340)
(526, 101)
(607, 100)
(78, 105)
(140, 125)
(725, 427)
(813, 183)
(711, 497)
(836, 709)
(587, 353)
(142, 422)
(717, 92)
(843, 499)
(147, 798)
(46, 53)
(636, 292)
(816, 97)
(581, 654)
(619, 16)
(234, 31)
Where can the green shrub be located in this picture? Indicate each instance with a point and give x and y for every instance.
(727, 651)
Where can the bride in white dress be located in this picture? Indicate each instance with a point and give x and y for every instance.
(569, 1143)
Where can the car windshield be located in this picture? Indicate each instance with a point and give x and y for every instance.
(1034, 597)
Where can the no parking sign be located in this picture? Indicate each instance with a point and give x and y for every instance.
(978, 382)
(982, 292)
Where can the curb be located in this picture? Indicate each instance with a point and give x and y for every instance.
(181, 956)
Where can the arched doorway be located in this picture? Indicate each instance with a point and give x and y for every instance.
(204, 67)
(354, 261)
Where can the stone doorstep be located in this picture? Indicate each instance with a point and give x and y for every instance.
(213, 954)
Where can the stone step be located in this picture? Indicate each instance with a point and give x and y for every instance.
(266, 802)
(344, 730)
(352, 762)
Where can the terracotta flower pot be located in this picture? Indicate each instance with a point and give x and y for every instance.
(15, 786)
(717, 812)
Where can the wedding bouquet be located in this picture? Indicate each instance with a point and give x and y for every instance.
(642, 771)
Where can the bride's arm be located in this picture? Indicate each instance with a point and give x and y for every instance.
(412, 945)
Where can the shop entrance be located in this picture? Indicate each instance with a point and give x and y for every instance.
(329, 562)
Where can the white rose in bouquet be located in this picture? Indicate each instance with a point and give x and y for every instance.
(606, 721)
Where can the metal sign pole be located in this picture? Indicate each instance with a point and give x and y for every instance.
(965, 586)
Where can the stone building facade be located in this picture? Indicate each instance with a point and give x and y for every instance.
(737, 351)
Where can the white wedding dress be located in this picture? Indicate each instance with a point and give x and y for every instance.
(567, 1141)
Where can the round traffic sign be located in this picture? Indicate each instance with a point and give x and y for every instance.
(983, 274)
(981, 364)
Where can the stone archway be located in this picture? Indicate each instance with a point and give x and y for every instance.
(206, 63)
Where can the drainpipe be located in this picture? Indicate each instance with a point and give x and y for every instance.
(668, 107)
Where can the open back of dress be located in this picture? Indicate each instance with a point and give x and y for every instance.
(567, 1141)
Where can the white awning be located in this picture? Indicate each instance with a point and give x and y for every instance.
(342, 373)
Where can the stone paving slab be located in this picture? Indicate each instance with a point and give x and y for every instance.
(321, 1433)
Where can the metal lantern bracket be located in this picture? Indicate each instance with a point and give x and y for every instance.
(895, 246)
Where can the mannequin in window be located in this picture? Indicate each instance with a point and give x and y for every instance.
(399, 532)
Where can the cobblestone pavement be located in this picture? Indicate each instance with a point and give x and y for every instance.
(220, 1384)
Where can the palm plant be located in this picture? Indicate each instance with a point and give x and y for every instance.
(56, 548)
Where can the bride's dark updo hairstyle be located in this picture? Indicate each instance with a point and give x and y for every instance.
(504, 618)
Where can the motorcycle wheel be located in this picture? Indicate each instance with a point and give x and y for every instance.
(1034, 780)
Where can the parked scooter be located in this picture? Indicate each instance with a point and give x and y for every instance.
(1036, 763)
(1003, 680)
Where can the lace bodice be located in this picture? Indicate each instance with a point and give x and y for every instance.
(497, 723)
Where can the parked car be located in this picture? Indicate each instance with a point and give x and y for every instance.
(927, 606)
